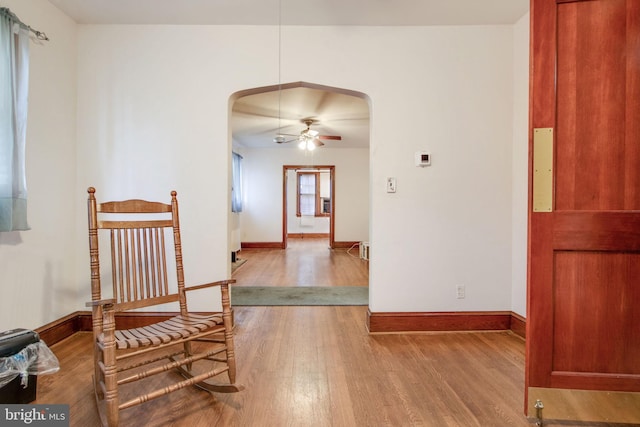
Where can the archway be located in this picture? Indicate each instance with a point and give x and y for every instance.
(270, 118)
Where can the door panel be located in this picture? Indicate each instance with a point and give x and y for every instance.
(586, 344)
(583, 305)
(598, 105)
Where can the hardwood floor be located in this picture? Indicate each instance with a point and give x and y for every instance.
(305, 262)
(318, 366)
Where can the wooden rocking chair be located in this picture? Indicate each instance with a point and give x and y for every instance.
(140, 278)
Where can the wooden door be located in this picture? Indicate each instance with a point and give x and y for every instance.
(583, 319)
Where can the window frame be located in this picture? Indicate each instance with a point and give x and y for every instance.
(318, 200)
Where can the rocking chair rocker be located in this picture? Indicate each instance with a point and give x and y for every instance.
(198, 346)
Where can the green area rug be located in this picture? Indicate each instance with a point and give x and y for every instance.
(299, 295)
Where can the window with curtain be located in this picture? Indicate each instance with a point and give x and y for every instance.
(14, 85)
(313, 194)
(307, 191)
(236, 182)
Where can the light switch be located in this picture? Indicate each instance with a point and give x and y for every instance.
(391, 185)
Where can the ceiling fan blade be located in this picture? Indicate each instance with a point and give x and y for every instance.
(307, 135)
(280, 139)
(333, 137)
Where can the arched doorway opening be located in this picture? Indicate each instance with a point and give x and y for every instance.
(268, 123)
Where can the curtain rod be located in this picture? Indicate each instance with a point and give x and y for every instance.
(39, 34)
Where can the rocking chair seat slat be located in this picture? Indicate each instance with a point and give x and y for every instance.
(177, 327)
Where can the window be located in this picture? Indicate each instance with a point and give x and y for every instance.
(14, 85)
(236, 182)
(307, 193)
(309, 200)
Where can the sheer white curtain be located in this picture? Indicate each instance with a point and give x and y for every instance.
(14, 86)
(307, 194)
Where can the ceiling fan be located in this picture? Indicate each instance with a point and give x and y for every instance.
(308, 139)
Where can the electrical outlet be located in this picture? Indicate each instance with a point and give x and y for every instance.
(460, 291)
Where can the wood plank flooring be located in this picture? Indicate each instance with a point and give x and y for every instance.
(318, 366)
(305, 262)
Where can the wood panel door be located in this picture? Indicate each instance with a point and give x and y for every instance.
(583, 319)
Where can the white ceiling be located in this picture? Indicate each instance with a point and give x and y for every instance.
(258, 117)
(295, 12)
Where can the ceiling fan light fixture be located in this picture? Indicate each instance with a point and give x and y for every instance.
(307, 143)
(308, 139)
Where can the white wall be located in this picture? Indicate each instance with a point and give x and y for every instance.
(520, 165)
(448, 224)
(153, 115)
(37, 267)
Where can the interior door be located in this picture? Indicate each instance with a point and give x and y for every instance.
(583, 318)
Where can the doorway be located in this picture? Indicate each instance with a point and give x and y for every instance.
(320, 220)
(267, 125)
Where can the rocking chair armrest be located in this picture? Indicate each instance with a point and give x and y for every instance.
(101, 302)
(209, 285)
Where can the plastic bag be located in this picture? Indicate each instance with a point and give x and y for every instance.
(34, 359)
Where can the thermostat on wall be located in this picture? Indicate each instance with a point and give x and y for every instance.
(423, 158)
